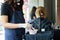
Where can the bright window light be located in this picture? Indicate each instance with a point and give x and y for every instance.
(1, 1)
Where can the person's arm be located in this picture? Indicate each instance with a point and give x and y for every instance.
(5, 13)
(10, 25)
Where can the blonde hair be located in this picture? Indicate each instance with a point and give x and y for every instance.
(40, 10)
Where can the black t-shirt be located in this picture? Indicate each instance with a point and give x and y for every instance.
(6, 10)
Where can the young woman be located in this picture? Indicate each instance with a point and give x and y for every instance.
(33, 16)
(41, 26)
(13, 20)
(41, 20)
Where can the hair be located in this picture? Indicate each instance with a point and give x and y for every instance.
(8, 1)
(16, 7)
(41, 10)
(33, 9)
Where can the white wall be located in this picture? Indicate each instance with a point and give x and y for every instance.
(41, 2)
(1, 28)
(31, 3)
(2, 1)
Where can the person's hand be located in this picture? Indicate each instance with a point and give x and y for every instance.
(29, 26)
(33, 31)
(26, 25)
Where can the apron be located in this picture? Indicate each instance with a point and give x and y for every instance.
(15, 34)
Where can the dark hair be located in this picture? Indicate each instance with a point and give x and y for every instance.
(32, 14)
(8, 1)
(18, 7)
(14, 5)
(33, 9)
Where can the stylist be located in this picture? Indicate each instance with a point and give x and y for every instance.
(13, 19)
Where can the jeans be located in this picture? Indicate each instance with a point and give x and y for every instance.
(39, 36)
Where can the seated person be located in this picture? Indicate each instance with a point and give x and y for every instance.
(41, 23)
